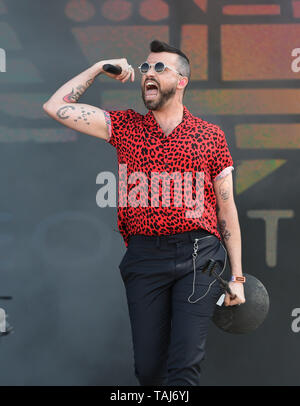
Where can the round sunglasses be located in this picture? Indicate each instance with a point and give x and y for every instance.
(158, 66)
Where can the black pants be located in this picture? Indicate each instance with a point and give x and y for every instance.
(170, 304)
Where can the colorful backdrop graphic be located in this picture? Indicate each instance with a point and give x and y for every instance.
(60, 252)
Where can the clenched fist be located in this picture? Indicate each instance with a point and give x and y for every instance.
(127, 70)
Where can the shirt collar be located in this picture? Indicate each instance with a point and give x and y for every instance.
(150, 120)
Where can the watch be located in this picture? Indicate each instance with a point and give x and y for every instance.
(241, 279)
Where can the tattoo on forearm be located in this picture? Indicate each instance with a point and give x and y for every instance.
(74, 96)
(224, 190)
(89, 82)
(226, 234)
(83, 114)
(108, 122)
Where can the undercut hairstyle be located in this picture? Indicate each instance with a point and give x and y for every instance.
(183, 64)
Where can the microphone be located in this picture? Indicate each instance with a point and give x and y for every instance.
(115, 70)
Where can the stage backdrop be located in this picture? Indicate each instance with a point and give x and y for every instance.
(59, 251)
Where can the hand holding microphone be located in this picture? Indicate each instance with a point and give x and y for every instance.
(118, 69)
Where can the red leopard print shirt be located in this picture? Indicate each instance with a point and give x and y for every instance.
(193, 146)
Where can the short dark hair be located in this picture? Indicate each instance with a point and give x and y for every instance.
(183, 61)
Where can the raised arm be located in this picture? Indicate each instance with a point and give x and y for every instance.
(63, 105)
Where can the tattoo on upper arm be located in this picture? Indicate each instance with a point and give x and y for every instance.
(226, 234)
(63, 112)
(108, 121)
(224, 190)
(83, 114)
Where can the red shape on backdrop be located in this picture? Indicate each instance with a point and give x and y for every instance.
(154, 10)
(296, 9)
(80, 10)
(116, 10)
(202, 4)
(252, 9)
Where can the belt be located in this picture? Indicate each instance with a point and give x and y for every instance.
(172, 238)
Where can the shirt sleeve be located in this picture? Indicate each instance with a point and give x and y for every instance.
(222, 163)
(117, 121)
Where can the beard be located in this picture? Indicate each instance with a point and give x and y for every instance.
(160, 100)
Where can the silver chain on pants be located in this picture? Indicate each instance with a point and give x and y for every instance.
(194, 255)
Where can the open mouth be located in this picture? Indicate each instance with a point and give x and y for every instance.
(151, 90)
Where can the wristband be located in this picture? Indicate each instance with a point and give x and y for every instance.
(241, 279)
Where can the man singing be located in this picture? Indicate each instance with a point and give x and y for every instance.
(169, 236)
